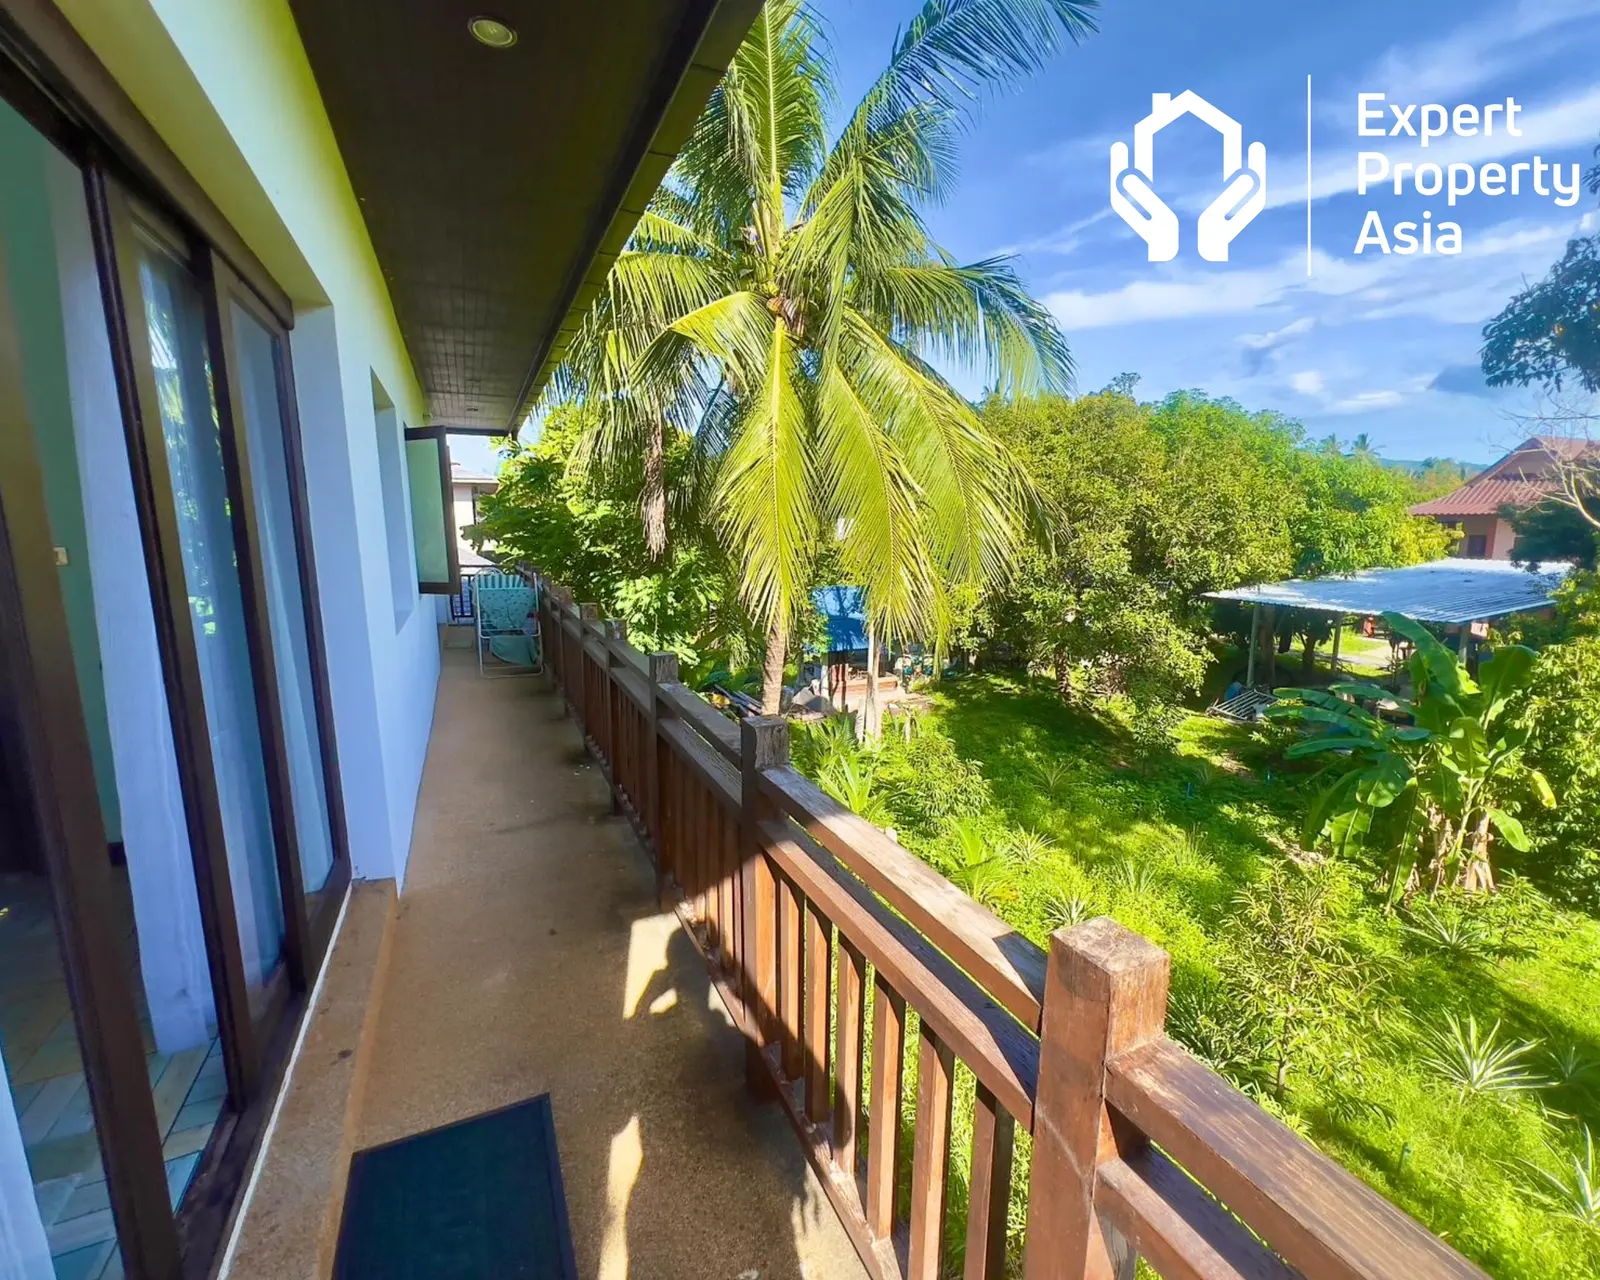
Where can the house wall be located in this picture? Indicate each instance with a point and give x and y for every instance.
(228, 86)
(1499, 537)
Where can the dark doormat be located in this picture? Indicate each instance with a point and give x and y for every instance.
(477, 1199)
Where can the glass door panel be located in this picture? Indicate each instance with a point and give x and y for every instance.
(255, 371)
(181, 362)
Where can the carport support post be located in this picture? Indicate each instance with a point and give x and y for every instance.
(1255, 630)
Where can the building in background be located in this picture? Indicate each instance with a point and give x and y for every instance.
(466, 487)
(1522, 479)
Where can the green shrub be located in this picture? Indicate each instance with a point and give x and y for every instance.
(1562, 716)
(927, 784)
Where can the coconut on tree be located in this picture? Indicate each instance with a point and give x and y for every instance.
(782, 302)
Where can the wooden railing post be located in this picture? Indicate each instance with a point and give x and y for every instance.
(587, 613)
(1105, 993)
(763, 744)
(663, 669)
(612, 629)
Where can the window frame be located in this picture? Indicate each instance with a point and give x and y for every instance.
(451, 585)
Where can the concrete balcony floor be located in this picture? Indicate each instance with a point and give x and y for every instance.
(529, 956)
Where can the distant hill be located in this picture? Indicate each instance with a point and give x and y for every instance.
(1416, 466)
(1435, 477)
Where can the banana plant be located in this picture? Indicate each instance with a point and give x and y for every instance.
(1436, 780)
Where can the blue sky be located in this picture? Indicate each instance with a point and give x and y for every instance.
(1386, 346)
(1382, 345)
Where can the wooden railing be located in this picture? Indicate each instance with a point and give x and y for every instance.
(823, 937)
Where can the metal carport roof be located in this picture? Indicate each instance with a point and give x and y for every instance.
(1441, 591)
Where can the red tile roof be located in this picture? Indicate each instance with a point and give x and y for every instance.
(1518, 480)
(1485, 498)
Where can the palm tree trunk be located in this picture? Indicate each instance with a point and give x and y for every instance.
(772, 672)
(871, 709)
(653, 497)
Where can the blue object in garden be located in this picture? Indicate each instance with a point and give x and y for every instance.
(845, 612)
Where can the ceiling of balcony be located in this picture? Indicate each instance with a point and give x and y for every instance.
(499, 184)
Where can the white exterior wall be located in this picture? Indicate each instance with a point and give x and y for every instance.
(227, 85)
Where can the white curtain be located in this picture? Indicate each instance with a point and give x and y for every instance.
(24, 1250)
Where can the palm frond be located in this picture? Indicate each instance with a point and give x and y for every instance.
(979, 316)
(764, 491)
(953, 49)
(976, 496)
(873, 499)
(762, 133)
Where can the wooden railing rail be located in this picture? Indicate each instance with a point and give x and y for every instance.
(824, 937)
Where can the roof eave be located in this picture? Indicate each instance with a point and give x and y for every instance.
(643, 167)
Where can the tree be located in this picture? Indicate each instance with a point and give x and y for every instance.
(781, 299)
(1549, 334)
(1555, 530)
(1439, 476)
(1151, 506)
(580, 528)
(1561, 715)
(1355, 515)
(1291, 963)
(1143, 517)
(1443, 786)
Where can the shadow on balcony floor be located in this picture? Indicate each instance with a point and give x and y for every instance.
(529, 956)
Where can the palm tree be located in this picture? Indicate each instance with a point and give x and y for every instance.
(782, 301)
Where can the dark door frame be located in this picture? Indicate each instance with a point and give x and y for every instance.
(321, 921)
(35, 648)
(133, 183)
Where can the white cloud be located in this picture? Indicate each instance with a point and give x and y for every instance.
(1064, 240)
(1267, 341)
(1308, 382)
(1475, 53)
(1365, 402)
(1465, 288)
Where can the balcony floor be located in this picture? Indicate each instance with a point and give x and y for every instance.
(529, 956)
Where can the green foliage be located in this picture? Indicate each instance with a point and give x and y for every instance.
(1451, 932)
(970, 862)
(1028, 846)
(1561, 715)
(1556, 531)
(1442, 787)
(1210, 831)
(1354, 514)
(1549, 334)
(1066, 910)
(1152, 505)
(1476, 1062)
(1435, 477)
(1572, 1192)
(582, 529)
(782, 299)
(1292, 965)
(929, 784)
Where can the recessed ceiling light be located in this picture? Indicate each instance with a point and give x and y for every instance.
(492, 32)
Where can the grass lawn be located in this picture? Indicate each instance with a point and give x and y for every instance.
(1166, 845)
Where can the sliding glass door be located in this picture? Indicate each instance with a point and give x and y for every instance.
(172, 845)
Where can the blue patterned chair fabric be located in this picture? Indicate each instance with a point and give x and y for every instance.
(504, 602)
